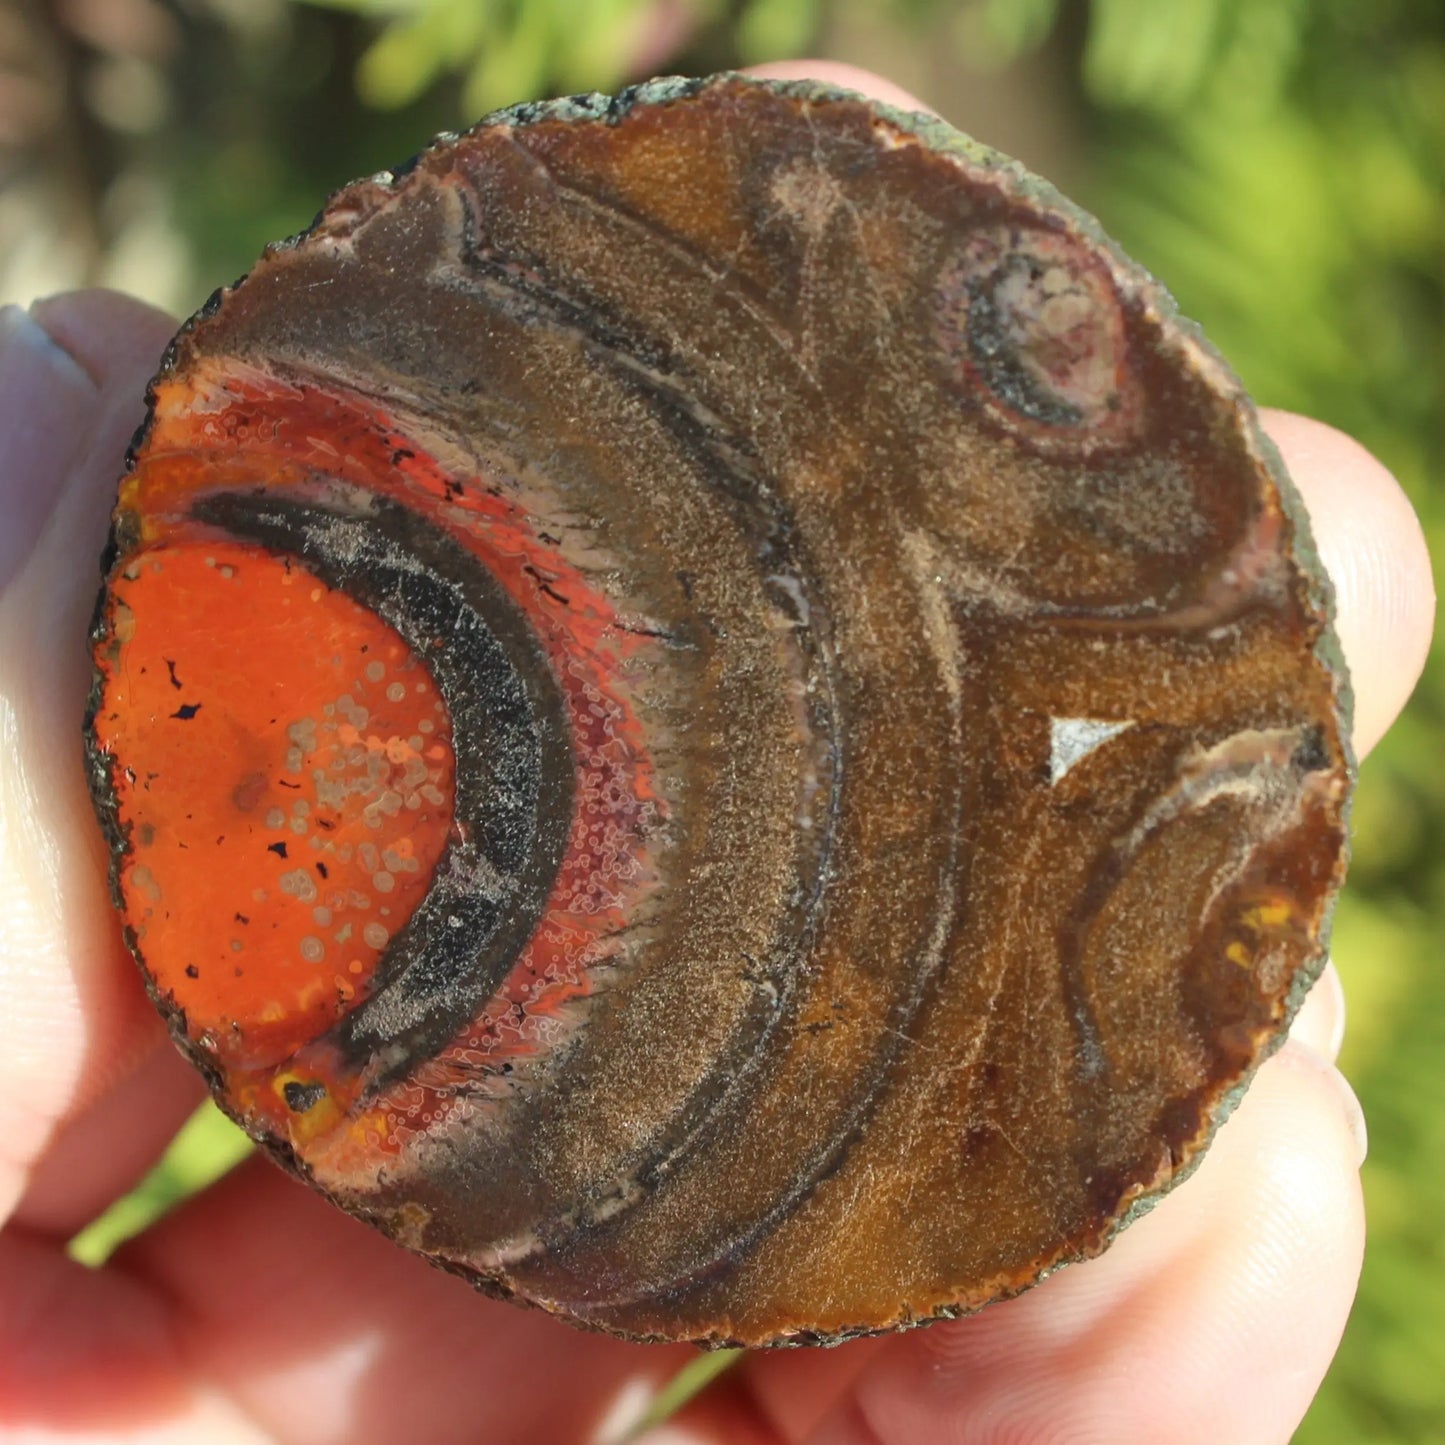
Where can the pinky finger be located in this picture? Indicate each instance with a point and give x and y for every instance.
(1213, 1318)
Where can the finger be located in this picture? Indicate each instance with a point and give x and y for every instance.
(836, 72)
(797, 1388)
(1217, 1323)
(99, 1154)
(1320, 1023)
(74, 1021)
(320, 1330)
(1371, 543)
(1212, 1319)
(87, 1356)
(1361, 520)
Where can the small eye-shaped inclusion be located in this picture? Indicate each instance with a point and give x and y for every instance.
(1033, 319)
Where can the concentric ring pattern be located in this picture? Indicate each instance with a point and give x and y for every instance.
(711, 714)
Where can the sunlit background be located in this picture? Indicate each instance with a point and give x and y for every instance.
(1280, 164)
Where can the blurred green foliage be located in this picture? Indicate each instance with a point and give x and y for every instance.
(502, 48)
(207, 1147)
(1280, 163)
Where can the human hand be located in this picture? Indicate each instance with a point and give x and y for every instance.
(259, 1313)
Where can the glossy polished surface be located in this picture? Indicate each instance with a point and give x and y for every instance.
(710, 713)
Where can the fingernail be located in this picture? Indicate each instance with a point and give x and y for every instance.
(46, 401)
(1348, 1100)
(1330, 981)
(1320, 1023)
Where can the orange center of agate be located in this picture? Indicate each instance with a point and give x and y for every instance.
(289, 779)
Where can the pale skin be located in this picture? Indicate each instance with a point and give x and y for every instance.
(257, 1313)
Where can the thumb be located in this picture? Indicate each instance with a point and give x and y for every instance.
(73, 1018)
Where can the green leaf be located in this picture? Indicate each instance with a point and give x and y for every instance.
(207, 1147)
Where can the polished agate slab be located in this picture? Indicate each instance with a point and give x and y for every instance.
(713, 715)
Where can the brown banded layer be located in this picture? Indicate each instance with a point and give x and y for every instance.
(795, 703)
